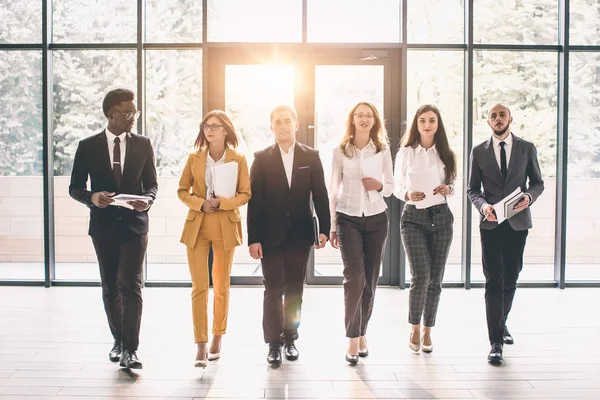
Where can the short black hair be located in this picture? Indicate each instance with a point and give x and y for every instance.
(116, 97)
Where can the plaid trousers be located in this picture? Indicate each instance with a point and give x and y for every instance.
(426, 235)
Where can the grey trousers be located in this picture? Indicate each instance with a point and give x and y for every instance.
(426, 235)
(362, 240)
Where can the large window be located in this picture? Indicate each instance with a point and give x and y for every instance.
(21, 22)
(342, 21)
(516, 21)
(21, 194)
(173, 115)
(583, 225)
(80, 21)
(526, 83)
(436, 21)
(81, 80)
(435, 77)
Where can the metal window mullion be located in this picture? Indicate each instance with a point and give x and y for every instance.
(467, 209)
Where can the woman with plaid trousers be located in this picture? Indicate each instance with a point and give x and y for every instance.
(426, 228)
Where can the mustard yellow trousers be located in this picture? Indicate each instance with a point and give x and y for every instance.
(210, 234)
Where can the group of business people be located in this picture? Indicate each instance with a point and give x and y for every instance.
(284, 189)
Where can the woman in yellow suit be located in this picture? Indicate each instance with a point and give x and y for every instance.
(214, 221)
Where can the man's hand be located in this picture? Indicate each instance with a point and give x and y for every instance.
(322, 241)
(208, 208)
(488, 212)
(372, 184)
(333, 239)
(102, 199)
(415, 196)
(256, 251)
(138, 205)
(522, 204)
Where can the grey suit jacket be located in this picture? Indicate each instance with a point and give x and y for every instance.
(523, 165)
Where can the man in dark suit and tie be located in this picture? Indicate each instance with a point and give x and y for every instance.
(118, 161)
(280, 227)
(502, 164)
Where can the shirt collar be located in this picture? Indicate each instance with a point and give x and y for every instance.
(111, 136)
(290, 151)
(508, 140)
(216, 161)
(420, 148)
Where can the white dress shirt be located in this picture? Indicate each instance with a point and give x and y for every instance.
(288, 162)
(110, 138)
(209, 175)
(354, 198)
(416, 159)
(507, 148)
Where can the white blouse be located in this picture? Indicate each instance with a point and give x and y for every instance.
(416, 159)
(210, 172)
(346, 175)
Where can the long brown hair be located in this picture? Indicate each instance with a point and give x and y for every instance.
(231, 138)
(378, 134)
(412, 138)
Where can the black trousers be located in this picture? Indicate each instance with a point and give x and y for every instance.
(284, 269)
(121, 258)
(502, 252)
(362, 241)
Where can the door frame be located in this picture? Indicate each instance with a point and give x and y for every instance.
(305, 59)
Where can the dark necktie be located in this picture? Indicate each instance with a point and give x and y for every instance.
(117, 162)
(503, 159)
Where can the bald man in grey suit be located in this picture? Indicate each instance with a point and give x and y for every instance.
(502, 164)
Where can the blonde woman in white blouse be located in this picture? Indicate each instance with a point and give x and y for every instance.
(426, 232)
(359, 223)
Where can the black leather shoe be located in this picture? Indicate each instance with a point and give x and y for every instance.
(115, 352)
(291, 352)
(495, 355)
(274, 356)
(129, 360)
(507, 337)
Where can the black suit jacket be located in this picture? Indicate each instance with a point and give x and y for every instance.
(138, 177)
(523, 171)
(276, 211)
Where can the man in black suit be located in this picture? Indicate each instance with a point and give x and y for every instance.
(280, 227)
(118, 161)
(502, 164)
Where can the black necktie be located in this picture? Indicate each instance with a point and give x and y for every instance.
(503, 159)
(117, 162)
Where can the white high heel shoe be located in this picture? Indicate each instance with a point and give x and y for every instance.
(413, 346)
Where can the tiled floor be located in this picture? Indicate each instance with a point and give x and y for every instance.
(54, 343)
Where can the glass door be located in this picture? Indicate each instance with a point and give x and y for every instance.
(323, 90)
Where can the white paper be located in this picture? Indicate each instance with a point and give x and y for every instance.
(499, 206)
(425, 182)
(121, 200)
(225, 179)
(372, 167)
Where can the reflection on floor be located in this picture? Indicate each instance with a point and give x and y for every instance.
(54, 342)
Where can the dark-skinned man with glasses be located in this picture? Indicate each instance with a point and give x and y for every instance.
(118, 161)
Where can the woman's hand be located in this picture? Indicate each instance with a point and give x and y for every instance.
(444, 190)
(208, 208)
(415, 196)
(372, 184)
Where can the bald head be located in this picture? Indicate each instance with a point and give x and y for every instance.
(499, 119)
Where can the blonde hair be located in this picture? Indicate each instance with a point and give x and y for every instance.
(378, 134)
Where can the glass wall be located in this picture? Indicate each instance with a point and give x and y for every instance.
(515, 53)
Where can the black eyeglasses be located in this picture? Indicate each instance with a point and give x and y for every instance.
(129, 115)
(212, 127)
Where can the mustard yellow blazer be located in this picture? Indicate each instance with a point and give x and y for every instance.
(192, 178)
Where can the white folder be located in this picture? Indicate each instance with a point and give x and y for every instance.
(225, 179)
